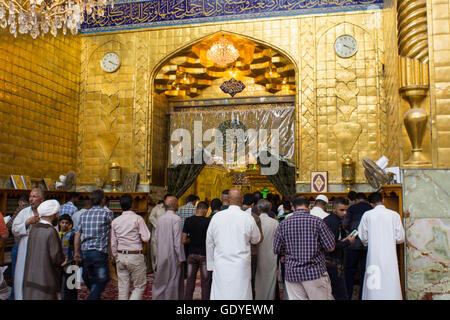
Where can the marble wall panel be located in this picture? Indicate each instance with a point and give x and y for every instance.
(426, 196)
(427, 193)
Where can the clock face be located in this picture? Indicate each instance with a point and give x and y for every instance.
(110, 62)
(345, 46)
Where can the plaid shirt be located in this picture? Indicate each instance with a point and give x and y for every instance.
(186, 211)
(68, 208)
(303, 238)
(95, 229)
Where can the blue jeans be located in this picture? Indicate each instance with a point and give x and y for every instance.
(95, 264)
(14, 251)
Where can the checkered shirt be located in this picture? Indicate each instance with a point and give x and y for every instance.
(95, 229)
(68, 208)
(186, 211)
(303, 239)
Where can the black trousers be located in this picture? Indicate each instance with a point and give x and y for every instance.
(335, 269)
(355, 262)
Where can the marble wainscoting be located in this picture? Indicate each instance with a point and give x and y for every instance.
(426, 196)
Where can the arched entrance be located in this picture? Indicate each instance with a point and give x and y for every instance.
(241, 78)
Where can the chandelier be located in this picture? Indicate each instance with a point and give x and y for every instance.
(222, 52)
(41, 16)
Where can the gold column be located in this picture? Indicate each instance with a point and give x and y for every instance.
(413, 64)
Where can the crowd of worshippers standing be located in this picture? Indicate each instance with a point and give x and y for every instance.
(244, 247)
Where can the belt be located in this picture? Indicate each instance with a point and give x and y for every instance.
(130, 251)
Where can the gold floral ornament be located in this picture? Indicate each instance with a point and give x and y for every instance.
(106, 139)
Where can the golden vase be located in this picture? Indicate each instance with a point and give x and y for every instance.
(415, 121)
(115, 176)
(348, 170)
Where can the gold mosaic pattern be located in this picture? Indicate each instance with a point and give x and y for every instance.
(307, 153)
(293, 37)
(106, 109)
(38, 105)
(140, 112)
(439, 47)
(347, 91)
(394, 146)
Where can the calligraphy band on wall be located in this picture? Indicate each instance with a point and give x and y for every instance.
(160, 13)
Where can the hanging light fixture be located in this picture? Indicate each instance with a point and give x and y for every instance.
(41, 16)
(222, 52)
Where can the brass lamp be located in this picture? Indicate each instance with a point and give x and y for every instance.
(348, 171)
(115, 176)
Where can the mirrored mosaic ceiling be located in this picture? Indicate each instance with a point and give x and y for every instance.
(192, 70)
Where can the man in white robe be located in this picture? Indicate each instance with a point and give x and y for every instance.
(266, 267)
(21, 228)
(169, 280)
(228, 240)
(381, 229)
(153, 217)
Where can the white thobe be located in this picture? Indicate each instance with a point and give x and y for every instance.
(155, 214)
(319, 212)
(20, 233)
(228, 240)
(266, 267)
(381, 229)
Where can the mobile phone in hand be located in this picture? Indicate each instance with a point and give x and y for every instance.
(353, 233)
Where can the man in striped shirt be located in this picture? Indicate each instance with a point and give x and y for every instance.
(92, 238)
(304, 239)
(188, 210)
(70, 206)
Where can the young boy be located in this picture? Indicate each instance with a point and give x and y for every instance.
(67, 235)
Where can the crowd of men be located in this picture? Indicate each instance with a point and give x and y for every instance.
(244, 247)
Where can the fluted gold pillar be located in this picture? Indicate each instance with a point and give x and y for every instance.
(413, 64)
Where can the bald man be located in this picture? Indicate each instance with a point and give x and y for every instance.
(169, 281)
(228, 240)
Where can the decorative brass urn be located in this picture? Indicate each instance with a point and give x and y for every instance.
(415, 121)
(115, 175)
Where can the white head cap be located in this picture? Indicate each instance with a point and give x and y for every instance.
(322, 197)
(48, 208)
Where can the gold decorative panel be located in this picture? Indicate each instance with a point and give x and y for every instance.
(39, 82)
(296, 38)
(394, 146)
(348, 95)
(439, 53)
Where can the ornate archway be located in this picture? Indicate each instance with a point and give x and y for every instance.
(189, 78)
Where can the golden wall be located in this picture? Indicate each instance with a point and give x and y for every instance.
(39, 83)
(306, 40)
(438, 12)
(394, 147)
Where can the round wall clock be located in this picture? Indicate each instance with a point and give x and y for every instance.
(110, 62)
(345, 46)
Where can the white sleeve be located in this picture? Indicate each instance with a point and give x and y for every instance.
(210, 247)
(362, 230)
(399, 230)
(255, 234)
(18, 227)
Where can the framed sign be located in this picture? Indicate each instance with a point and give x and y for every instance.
(319, 181)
